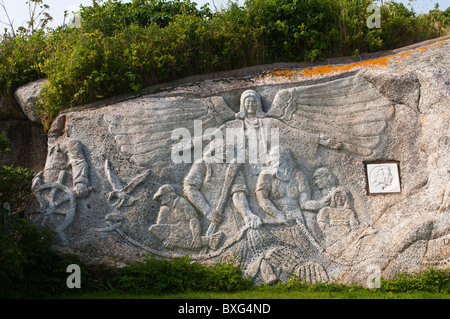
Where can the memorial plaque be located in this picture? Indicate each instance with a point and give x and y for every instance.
(383, 178)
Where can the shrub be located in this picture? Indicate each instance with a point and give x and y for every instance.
(156, 276)
(20, 56)
(15, 186)
(431, 280)
(5, 144)
(294, 30)
(29, 268)
(113, 15)
(123, 47)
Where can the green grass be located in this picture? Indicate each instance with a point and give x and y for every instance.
(263, 294)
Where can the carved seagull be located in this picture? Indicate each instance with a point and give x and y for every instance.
(121, 192)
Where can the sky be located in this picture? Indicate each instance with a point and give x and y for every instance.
(18, 9)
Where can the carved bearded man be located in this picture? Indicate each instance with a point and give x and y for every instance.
(219, 191)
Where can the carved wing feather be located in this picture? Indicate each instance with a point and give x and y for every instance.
(143, 134)
(350, 110)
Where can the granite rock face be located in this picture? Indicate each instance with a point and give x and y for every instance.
(27, 96)
(10, 110)
(28, 144)
(339, 175)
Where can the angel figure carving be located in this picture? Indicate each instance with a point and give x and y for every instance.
(350, 117)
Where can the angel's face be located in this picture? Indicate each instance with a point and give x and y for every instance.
(250, 105)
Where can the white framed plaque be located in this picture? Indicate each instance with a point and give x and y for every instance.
(383, 177)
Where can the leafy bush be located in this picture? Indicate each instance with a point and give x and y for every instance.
(156, 276)
(123, 47)
(5, 144)
(15, 186)
(20, 56)
(294, 30)
(114, 15)
(431, 280)
(29, 268)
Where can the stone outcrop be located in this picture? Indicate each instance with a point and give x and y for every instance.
(337, 172)
(27, 96)
(28, 144)
(21, 124)
(9, 109)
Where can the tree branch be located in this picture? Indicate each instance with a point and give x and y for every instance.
(10, 23)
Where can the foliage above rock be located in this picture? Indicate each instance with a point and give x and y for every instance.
(123, 47)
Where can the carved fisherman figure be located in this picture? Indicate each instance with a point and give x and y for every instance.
(64, 179)
(283, 193)
(218, 190)
(178, 224)
(339, 219)
(65, 158)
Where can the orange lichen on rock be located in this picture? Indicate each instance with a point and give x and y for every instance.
(380, 62)
(282, 73)
(326, 69)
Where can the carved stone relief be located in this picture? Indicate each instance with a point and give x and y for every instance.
(57, 188)
(265, 184)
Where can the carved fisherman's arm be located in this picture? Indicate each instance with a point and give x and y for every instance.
(80, 168)
(191, 189)
(305, 201)
(239, 194)
(240, 202)
(263, 197)
(197, 199)
(268, 207)
(313, 205)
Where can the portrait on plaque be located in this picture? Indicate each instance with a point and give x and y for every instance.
(383, 178)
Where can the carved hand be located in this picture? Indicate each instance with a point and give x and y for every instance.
(196, 242)
(294, 217)
(81, 190)
(215, 217)
(168, 244)
(253, 221)
(330, 142)
(326, 201)
(38, 180)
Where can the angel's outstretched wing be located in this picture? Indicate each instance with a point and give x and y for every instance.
(144, 132)
(350, 110)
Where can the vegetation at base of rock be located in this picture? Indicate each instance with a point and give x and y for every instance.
(30, 268)
(15, 181)
(430, 280)
(123, 47)
(156, 276)
(15, 184)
